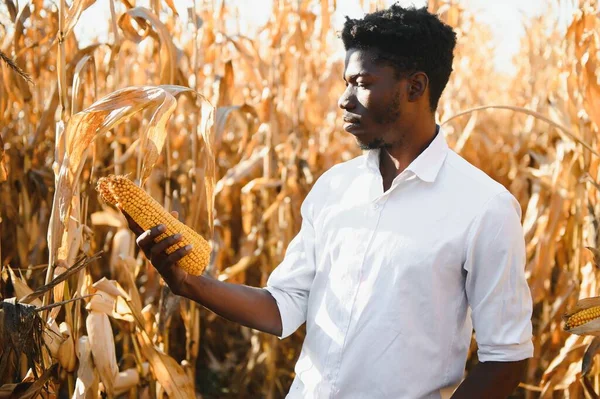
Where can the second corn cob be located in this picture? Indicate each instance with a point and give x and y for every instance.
(582, 317)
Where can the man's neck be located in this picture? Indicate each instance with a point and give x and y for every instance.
(393, 161)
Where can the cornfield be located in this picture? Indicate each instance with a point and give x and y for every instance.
(231, 132)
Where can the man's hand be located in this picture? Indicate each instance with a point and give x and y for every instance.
(493, 380)
(249, 306)
(165, 264)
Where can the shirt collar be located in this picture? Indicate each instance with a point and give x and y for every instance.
(426, 166)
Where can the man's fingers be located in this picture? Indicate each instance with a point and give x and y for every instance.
(175, 214)
(164, 244)
(180, 253)
(146, 239)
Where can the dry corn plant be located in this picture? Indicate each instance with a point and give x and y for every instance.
(541, 128)
(231, 132)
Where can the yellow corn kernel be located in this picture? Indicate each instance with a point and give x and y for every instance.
(147, 213)
(583, 316)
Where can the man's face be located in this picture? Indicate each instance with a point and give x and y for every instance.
(372, 101)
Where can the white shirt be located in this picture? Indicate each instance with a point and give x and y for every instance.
(391, 284)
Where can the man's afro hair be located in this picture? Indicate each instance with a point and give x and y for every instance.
(410, 40)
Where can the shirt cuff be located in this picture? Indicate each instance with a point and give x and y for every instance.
(287, 328)
(505, 353)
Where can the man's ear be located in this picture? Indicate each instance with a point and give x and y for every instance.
(417, 85)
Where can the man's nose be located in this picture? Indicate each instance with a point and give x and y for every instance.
(346, 101)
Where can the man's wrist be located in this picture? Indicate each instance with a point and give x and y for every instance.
(182, 286)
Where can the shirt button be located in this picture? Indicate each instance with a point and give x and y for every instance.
(376, 206)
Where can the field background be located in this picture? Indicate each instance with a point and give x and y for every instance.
(235, 154)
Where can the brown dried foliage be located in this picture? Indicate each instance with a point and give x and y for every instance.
(251, 123)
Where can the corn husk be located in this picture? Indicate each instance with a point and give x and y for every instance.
(122, 245)
(101, 302)
(110, 298)
(66, 353)
(102, 345)
(149, 319)
(126, 380)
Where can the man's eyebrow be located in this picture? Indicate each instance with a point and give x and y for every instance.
(357, 75)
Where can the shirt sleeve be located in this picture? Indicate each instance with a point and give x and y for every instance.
(496, 286)
(291, 280)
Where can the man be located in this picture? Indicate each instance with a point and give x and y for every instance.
(402, 251)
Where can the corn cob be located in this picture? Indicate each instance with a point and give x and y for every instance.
(126, 380)
(102, 344)
(66, 351)
(582, 317)
(147, 213)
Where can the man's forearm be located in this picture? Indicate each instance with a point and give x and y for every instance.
(248, 306)
(492, 380)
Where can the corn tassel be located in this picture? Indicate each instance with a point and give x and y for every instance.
(147, 213)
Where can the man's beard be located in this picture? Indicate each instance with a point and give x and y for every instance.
(376, 144)
(390, 115)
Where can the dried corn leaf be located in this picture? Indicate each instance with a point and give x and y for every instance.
(12, 9)
(242, 169)
(223, 115)
(239, 267)
(79, 265)
(74, 13)
(226, 86)
(573, 349)
(589, 354)
(169, 374)
(111, 287)
(84, 127)
(168, 51)
(3, 171)
(126, 270)
(562, 129)
(27, 390)
(108, 217)
(153, 141)
(102, 302)
(166, 370)
(208, 135)
(111, 299)
(172, 7)
(76, 95)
